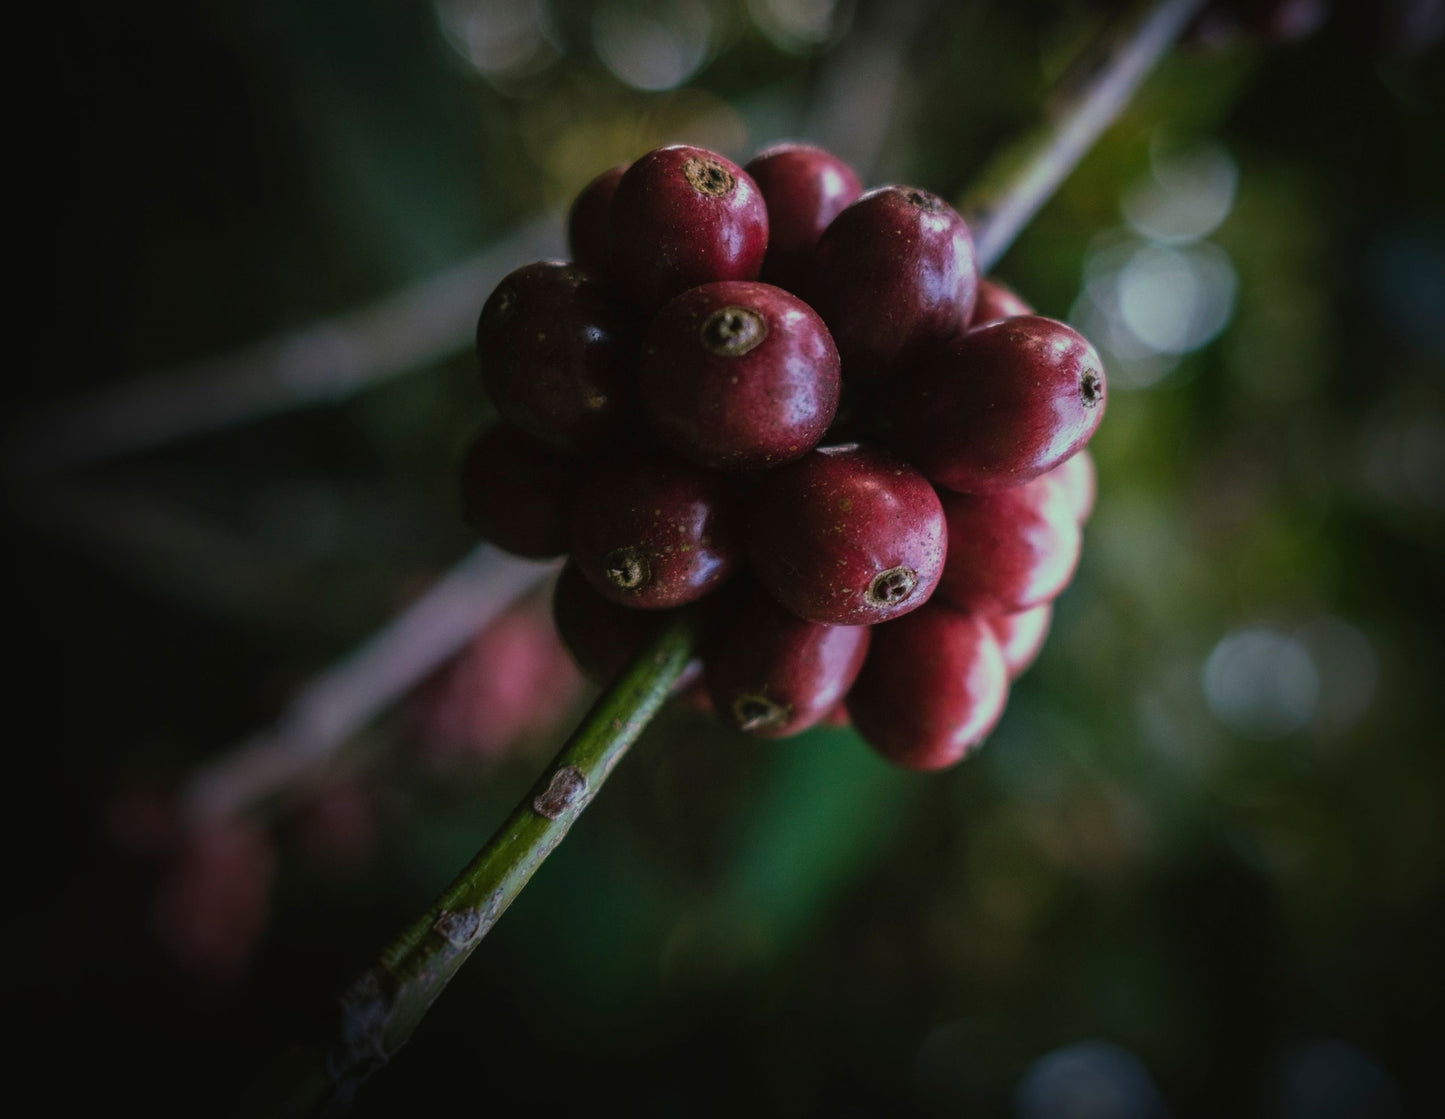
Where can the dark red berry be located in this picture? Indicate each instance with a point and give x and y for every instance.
(515, 492)
(847, 535)
(739, 375)
(602, 636)
(1080, 481)
(587, 221)
(933, 685)
(652, 532)
(680, 217)
(557, 360)
(998, 405)
(805, 188)
(1009, 550)
(1021, 636)
(995, 301)
(894, 271)
(773, 674)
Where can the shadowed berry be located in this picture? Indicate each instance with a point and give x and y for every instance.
(894, 271)
(515, 492)
(652, 532)
(602, 636)
(995, 301)
(999, 405)
(739, 376)
(1021, 636)
(805, 188)
(587, 221)
(556, 356)
(847, 535)
(933, 685)
(683, 216)
(1008, 550)
(773, 674)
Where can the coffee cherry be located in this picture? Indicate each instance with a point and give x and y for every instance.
(773, 674)
(739, 375)
(515, 492)
(556, 356)
(651, 531)
(894, 271)
(847, 535)
(998, 405)
(805, 188)
(1080, 481)
(602, 636)
(1021, 636)
(933, 685)
(587, 221)
(1009, 550)
(680, 217)
(995, 301)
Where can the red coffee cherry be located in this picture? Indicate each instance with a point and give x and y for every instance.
(894, 271)
(602, 636)
(556, 357)
(999, 405)
(683, 216)
(995, 301)
(587, 220)
(651, 532)
(1080, 481)
(933, 686)
(515, 492)
(1021, 636)
(739, 376)
(773, 674)
(847, 535)
(805, 188)
(1009, 550)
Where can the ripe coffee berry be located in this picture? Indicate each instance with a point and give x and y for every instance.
(587, 221)
(515, 492)
(739, 376)
(683, 216)
(805, 188)
(933, 685)
(995, 301)
(1009, 550)
(556, 357)
(1080, 481)
(999, 405)
(847, 535)
(773, 674)
(1021, 636)
(650, 531)
(894, 271)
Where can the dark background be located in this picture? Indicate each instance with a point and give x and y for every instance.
(1196, 871)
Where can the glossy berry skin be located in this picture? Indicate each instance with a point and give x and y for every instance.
(556, 356)
(739, 376)
(933, 686)
(1009, 550)
(773, 674)
(587, 221)
(1021, 636)
(651, 532)
(847, 535)
(805, 188)
(683, 216)
(995, 301)
(602, 636)
(516, 492)
(1080, 481)
(999, 405)
(893, 272)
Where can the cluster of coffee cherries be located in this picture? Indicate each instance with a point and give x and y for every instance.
(763, 394)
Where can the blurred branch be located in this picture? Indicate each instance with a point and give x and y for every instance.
(340, 701)
(380, 1011)
(1020, 179)
(327, 361)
